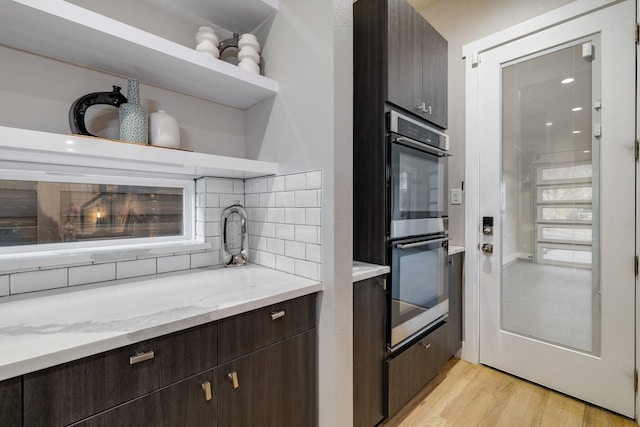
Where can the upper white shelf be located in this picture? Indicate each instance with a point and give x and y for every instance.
(239, 16)
(64, 31)
(26, 149)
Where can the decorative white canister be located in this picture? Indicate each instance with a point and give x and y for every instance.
(164, 130)
(207, 41)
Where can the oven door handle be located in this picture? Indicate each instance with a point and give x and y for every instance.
(421, 146)
(422, 243)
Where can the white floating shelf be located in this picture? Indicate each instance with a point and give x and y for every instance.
(64, 31)
(239, 16)
(22, 149)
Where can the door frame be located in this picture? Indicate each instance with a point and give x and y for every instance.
(472, 54)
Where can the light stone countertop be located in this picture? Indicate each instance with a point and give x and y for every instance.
(363, 270)
(48, 328)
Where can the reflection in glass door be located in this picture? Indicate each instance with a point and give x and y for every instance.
(550, 275)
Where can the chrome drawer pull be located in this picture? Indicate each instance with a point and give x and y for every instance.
(141, 357)
(426, 346)
(277, 314)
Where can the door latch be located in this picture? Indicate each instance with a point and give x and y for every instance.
(487, 248)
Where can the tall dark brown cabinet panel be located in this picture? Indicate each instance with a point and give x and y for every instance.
(454, 341)
(434, 80)
(275, 386)
(11, 402)
(404, 59)
(369, 306)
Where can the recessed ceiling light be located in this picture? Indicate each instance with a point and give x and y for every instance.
(576, 131)
(577, 109)
(567, 80)
(548, 124)
(586, 151)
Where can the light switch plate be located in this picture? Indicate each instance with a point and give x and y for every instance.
(456, 196)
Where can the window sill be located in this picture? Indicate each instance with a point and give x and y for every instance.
(43, 260)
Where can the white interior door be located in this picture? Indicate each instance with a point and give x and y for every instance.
(556, 114)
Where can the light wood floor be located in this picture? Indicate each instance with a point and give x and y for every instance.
(469, 395)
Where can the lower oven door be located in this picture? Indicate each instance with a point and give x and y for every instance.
(419, 292)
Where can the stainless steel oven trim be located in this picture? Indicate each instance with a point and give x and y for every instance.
(393, 126)
(420, 146)
(417, 324)
(416, 227)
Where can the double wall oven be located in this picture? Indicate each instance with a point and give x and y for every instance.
(417, 242)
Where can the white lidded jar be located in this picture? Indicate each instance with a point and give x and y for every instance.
(207, 41)
(164, 130)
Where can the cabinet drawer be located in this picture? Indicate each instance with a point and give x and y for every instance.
(411, 370)
(251, 331)
(70, 392)
(181, 404)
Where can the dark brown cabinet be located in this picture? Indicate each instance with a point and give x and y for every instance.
(369, 306)
(274, 386)
(417, 64)
(178, 379)
(181, 404)
(11, 401)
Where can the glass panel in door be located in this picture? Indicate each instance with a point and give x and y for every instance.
(550, 278)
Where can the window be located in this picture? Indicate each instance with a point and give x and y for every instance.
(66, 212)
(564, 215)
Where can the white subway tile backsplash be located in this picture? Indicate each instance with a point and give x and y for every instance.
(268, 260)
(38, 280)
(257, 214)
(251, 200)
(295, 181)
(285, 199)
(313, 216)
(285, 231)
(4, 286)
(212, 200)
(285, 264)
(201, 200)
(275, 184)
(294, 215)
(92, 274)
(200, 228)
(205, 259)
(219, 185)
(174, 263)
(313, 252)
(201, 185)
(294, 249)
(215, 241)
(259, 185)
(238, 186)
(314, 179)
(143, 267)
(227, 200)
(212, 229)
(306, 233)
(201, 214)
(275, 246)
(258, 243)
(275, 215)
(306, 269)
(306, 199)
(267, 200)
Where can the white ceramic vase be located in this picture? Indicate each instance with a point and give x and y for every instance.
(207, 42)
(164, 130)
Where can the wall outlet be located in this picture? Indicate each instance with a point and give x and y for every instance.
(456, 196)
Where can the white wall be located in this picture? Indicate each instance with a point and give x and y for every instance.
(307, 126)
(461, 22)
(37, 93)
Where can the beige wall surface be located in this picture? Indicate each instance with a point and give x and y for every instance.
(462, 22)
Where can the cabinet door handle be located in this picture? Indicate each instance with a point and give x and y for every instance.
(206, 387)
(425, 345)
(233, 376)
(277, 314)
(141, 357)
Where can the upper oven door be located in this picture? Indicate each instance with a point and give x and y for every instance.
(418, 187)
